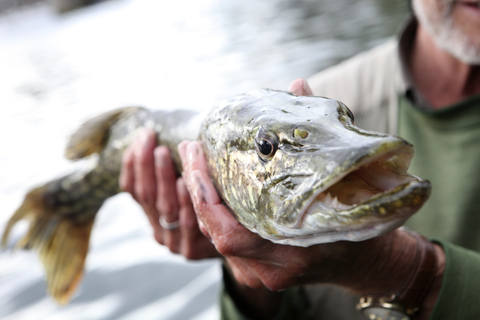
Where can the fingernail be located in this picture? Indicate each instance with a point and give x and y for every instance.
(200, 191)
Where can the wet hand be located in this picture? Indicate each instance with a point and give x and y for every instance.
(149, 175)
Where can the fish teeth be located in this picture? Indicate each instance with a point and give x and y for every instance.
(332, 202)
(335, 203)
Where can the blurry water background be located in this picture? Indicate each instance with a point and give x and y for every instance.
(58, 70)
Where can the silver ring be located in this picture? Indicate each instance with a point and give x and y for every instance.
(168, 225)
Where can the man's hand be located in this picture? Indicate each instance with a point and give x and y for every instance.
(149, 175)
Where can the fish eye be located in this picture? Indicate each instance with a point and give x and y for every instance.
(266, 145)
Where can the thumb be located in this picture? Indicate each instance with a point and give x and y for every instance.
(300, 87)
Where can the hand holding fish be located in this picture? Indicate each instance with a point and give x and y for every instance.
(149, 175)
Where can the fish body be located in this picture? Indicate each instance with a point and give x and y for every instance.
(293, 169)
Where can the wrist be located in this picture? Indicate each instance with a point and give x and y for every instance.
(379, 265)
(401, 274)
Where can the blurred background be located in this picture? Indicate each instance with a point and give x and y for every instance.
(62, 62)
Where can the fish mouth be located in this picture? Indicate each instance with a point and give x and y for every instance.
(377, 190)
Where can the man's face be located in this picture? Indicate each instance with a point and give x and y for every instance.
(454, 25)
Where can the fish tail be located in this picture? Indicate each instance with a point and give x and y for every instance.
(61, 212)
(59, 230)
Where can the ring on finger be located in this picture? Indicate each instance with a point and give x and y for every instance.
(168, 225)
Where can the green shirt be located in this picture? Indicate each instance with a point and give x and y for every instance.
(447, 152)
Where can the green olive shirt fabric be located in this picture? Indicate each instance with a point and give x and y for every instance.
(447, 152)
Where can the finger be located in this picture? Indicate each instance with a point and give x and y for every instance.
(166, 177)
(144, 169)
(182, 150)
(126, 180)
(172, 239)
(195, 167)
(188, 220)
(192, 156)
(194, 245)
(300, 87)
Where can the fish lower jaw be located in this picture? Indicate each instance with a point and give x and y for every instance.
(371, 218)
(375, 178)
(360, 233)
(345, 197)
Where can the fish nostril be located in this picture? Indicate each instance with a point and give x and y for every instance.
(298, 133)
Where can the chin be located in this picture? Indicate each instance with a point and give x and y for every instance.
(448, 35)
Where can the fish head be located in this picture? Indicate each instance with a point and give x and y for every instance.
(296, 170)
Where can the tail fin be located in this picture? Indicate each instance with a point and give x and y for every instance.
(61, 240)
(61, 212)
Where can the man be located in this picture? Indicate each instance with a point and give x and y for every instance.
(428, 93)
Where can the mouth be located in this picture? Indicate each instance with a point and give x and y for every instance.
(473, 5)
(368, 187)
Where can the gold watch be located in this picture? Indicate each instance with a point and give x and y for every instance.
(382, 308)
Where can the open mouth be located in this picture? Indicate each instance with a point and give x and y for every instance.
(369, 180)
(473, 4)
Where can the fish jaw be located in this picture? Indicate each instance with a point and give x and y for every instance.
(366, 200)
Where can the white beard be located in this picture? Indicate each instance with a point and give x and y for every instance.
(446, 35)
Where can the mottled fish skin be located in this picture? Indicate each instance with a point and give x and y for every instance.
(293, 169)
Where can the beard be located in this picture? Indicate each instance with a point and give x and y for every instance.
(447, 35)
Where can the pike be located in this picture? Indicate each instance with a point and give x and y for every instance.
(294, 169)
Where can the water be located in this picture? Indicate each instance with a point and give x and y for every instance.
(57, 71)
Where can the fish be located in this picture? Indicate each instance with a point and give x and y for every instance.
(293, 169)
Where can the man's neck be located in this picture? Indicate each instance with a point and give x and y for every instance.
(441, 78)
